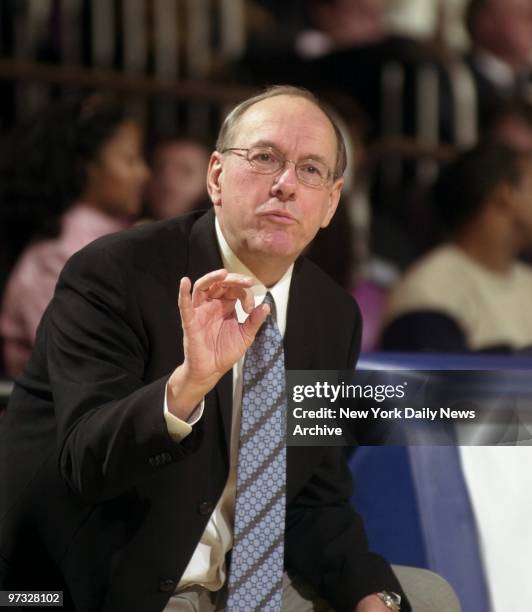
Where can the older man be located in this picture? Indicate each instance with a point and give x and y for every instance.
(125, 433)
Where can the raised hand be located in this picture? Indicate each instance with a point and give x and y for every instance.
(213, 339)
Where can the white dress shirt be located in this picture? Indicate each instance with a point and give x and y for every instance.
(495, 69)
(207, 564)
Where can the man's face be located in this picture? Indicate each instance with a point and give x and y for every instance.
(350, 22)
(271, 218)
(508, 30)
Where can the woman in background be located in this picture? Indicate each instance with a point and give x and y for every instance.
(178, 170)
(75, 173)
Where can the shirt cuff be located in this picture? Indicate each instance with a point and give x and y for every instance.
(178, 428)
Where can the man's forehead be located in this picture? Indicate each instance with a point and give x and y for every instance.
(509, 6)
(282, 106)
(280, 115)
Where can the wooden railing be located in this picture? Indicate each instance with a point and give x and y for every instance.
(140, 48)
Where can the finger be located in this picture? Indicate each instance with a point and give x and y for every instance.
(248, 301)
(184, 300)
(252, 324)
(239, 279)
(220, 291)
(203, 284)
(232, 280)
(217, 291)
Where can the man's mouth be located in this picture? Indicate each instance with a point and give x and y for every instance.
(279, 216)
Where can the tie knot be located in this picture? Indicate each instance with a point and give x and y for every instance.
(268, 299)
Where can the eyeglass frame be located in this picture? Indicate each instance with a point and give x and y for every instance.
(330, 173)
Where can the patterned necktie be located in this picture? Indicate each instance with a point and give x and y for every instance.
(256, 575)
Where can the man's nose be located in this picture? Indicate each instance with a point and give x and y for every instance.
(285, 183)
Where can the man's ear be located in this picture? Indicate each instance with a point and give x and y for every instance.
(334, 198)
(214, 176)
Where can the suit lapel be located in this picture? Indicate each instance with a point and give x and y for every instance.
(204, 256)
(300, 333)
(301, 341)
(203, 253)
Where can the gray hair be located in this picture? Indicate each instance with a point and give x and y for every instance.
(230, 124)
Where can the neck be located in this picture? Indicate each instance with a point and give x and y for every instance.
(88, 198)
(268, 273)
(493, 251)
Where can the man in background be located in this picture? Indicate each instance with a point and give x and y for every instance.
(500, 55)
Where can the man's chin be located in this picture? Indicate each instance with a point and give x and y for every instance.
(276, 248)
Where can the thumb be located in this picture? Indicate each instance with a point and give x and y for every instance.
(252, 324)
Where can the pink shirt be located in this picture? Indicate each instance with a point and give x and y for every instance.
(32, 282)
(371, 299)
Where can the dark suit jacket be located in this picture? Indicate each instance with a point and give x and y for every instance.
(97, 499)
(491, 97)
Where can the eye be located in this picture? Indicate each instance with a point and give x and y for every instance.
(313, 169)
(263, 157)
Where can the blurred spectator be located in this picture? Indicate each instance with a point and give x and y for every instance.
(380, 71)
(73, 174)
(472, 293)
(500, 56)
(282, 49)
(323, 26)
(333, 249)
(342, 248)
(342, 45)
(339, 249)
(512, 126)
(340, 24)
(177, 184)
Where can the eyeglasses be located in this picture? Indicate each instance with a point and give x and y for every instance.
(265, 160)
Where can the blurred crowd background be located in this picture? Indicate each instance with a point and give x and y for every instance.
(109, 110)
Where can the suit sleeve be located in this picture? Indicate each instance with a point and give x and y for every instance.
(334, 558)
(111, 430)
(326, 541)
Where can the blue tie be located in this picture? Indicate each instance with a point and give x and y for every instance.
(256, 574)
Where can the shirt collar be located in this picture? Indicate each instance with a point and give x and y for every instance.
(279, 291)
(494, 68)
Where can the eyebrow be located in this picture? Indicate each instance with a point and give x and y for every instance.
(272, 145)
